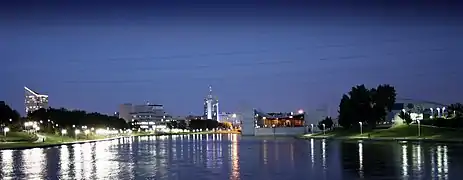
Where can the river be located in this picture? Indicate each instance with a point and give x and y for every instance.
(230, 156)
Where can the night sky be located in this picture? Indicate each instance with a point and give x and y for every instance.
(275, 56)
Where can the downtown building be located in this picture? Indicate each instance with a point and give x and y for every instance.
(145, 116)
(211, 107)
(34, 101)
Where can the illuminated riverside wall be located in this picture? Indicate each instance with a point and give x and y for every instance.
(256, 123)
(278, 131)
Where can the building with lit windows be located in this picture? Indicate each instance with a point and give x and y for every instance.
(211, 106)
(279, 119)
(233, 118)
(34, 101)
(260, 123)
(418, 109)
(145, 116)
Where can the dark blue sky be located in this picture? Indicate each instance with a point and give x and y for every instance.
(277, 56)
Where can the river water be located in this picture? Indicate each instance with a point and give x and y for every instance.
(230, 156)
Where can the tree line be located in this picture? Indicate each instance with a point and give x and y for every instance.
(366, 106)
(71, 118)
(7, 114)
(370, 106)
(55, 119)
(363, 106)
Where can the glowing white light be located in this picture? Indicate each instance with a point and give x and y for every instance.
(404, 161)
(361, 159)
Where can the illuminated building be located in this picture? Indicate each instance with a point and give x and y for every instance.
(233, 118)
(418, 110)
(34, 101)
(280, 119)
(145, 116)
(211, 107)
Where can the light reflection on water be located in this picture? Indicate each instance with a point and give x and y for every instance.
(218, 156)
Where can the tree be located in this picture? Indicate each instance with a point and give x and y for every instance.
(328, 122)
(345, 117)
(7, 113)
(364, 105)
(64, 118)
(383, 99)
(405, 116)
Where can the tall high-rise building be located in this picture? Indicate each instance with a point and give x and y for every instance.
(34, 101)
(211, 106)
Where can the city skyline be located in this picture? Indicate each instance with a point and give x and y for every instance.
(275, 57)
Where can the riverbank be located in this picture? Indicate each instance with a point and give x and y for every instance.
(56, 140)
(397, 133)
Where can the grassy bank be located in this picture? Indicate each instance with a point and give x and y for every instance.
(50, 140)
(20, 140)
(402, 132)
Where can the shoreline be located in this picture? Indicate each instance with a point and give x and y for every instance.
(414, 139)
(31, 145)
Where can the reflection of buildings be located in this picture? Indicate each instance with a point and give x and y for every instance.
(211, 106)
(145, 115)
(267, 120)
(34, 100)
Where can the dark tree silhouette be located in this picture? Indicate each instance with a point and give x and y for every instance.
(67, 118)
(405, 116)
(328, 122)
(7, 113)
(368, 106)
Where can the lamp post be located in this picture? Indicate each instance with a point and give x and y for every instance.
(419, 127)
(311, 128)
(438, 112)
(76, 132)
(443, 111)
(86, 132)
(273, 126)
(63, 132)
(432, 113)
(323, 128)
(361, 127)
(5, 130)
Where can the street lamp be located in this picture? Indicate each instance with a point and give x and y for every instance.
(86, 132)
(432, 112)
(438, 112)
(11, 120)
(76, 132)
(443, 111)
(5, 130)
(323, 128)
(361, 127)
(273, 126)
(63, 132)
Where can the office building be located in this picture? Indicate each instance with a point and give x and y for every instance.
(233, 118)
(211, 106)
(146, 116)
(34, 100)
